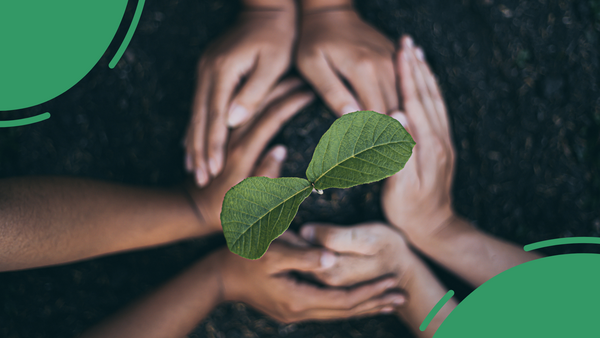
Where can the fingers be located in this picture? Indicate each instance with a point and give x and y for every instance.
(282, 257)
(361, 239)
(292, 238)
(371, 75)
(317, 70)
(270, 166)
(196, 134)
(408, 90)
(382, 304)
(434, 93)
(252, 144)
(347, 299)
(253, 93)
(283, 89)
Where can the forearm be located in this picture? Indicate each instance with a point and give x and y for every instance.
(173, 310)
(274, 4)
(45, 221)
(424, 292)
(318, 5)
(469, 252)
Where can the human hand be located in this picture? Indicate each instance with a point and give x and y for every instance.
(266, 285)
(364, 252)
(255, 53)
(417, 199)
(337, 46)
(245, 146)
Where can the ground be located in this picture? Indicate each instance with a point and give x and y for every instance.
(521, 80)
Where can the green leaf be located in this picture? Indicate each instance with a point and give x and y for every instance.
(258, 210)
(359, 148)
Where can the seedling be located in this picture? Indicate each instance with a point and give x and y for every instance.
(359, 148)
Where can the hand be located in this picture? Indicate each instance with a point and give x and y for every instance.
(337, 46)
(255, 52)
(365, 252)
(372, 250)
(245, 146)
(266, 285)
(417, 199)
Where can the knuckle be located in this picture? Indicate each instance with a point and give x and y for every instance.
(366, 63)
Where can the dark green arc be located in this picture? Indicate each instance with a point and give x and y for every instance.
(25, 121)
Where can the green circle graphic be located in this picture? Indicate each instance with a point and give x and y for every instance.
(551, 297)
(49, 46)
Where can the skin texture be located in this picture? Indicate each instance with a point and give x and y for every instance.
(87, 218)
(335, 46)
(235, 75)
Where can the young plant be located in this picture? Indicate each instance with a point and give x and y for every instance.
(359, 148)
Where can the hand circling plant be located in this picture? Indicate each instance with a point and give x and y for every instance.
(359, 148)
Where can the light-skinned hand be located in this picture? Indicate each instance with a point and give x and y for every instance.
(417, 199)
(235, 75)
(266, 285)
(245, 147)
(364, 252)
(336, 46)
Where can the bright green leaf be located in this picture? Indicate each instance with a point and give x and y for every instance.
(258, 210)
(359, 148)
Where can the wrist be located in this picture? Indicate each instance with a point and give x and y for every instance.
(422, 229)
(445, 231)
(212, 265)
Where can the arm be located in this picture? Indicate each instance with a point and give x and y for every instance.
(46, 221)
(317, 5)
(470, 253)
(176, 308)
(173, 310)
(417, 200)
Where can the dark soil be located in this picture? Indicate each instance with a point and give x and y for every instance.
(521, 80)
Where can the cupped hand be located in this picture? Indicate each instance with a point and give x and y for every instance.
(266, 285)
(417, 199)
(364, 252)
(336, 46)
(245, 147)
(235, 75)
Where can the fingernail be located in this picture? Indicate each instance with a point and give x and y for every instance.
(237, 114)
(398, 301)
(350, 108)
(387, 309)
(400, 117)
(327, 259)
(308, 233)
(188, 163)
(409, 42)
(201, 178)
(213, 166)
(279, 153)
(420, 54)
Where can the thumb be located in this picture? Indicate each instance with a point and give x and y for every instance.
(286, 257)
(361, 239)
(270, 165)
